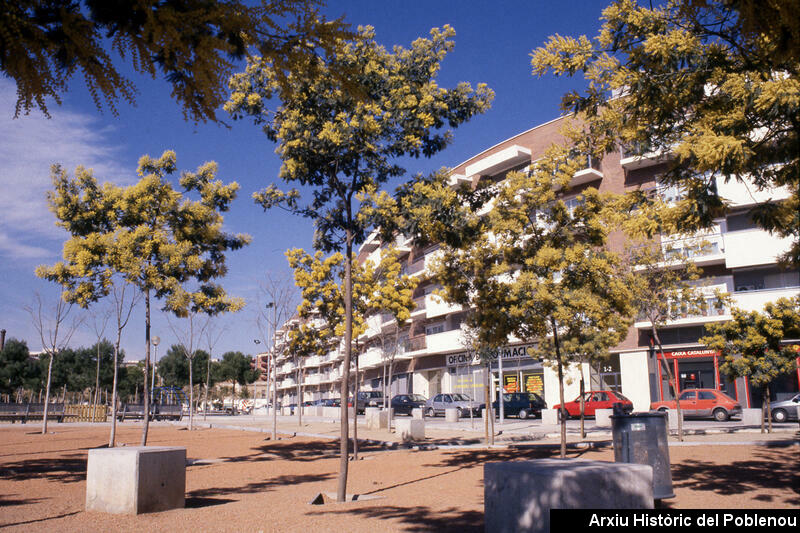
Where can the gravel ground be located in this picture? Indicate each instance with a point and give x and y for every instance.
(242, 481)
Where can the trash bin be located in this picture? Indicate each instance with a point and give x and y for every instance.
(641, 438)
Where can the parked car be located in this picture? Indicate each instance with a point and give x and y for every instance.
(520, 404)
(594, 400)
(367, 398)
(786, 410)
(404, 403)
(703, 403)
(462, 402)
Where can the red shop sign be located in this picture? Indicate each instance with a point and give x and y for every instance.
(689, 354)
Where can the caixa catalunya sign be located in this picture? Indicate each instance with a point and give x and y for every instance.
(686, 354)
(507, 352)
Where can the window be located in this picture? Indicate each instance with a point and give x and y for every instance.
(688, 395)
(706, 395)
(437, 398)
(433, 329)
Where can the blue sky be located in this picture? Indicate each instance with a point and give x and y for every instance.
(493, 44)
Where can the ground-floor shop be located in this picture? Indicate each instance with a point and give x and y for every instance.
(641, 375)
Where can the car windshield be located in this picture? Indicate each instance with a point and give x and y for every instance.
(622, 397)
(461, 398)
(417, 398)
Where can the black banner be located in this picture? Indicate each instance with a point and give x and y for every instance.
(728, 520)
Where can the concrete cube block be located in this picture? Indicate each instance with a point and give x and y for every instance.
(672, 418)
(377, 418)
(751, 417)
(332, 412)
(417, 413)
(410, 429)
(518, 495)
(602, 418)
(451, 415)
(136, 479)
(549, 417)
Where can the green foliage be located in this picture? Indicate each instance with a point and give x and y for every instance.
(17, 368)
(752, 344)
(193, 43)
(76, 368)
(237, 367)
(155, 237)
(173, 368)
(709, 81)
(341, 137)
(131, 380)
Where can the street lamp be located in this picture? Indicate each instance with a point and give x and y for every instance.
(155, 342)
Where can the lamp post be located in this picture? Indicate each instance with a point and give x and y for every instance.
(155, 342)
(273, 370)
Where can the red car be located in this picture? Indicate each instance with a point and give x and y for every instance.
(601, 399)
(703, 403)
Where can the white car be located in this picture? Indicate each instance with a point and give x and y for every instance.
(462, 402)
(785, 410)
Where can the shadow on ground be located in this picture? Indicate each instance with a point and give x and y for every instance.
(770, 468)
(261, 486)
(69, 469)
(419, 518)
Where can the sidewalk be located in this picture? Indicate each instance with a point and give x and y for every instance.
(467, 432)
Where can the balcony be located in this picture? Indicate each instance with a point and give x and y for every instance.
(755, 300)
(638, 156)
(445, 341)
(592, 171)
(313, 379)
(742, 193)
(409, 347)
(313, 361)
(371, 358)
(499, 162)
(437, 306)
(420, 308)
(700, 249)
(753, 247)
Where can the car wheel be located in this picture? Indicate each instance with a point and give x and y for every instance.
(523, 414)
(720, 415)
(779, 415)
(429, 412)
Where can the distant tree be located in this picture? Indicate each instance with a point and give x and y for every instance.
(237, 367)
(193, 43)
(131, 381)
(99, 322)
(153, 237)
(712, 82)
(753, 346)
(18, 370)
(55, 330)
(276, 305)
(343, 138)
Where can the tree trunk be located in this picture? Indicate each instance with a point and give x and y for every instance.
(356, 388)
(112, 438)
(208, 384)
(299, 396)
(388, 394)
(97, 379)
(488, 409)
(341, 492)
(191, 394)
(583, 405)
(47, 393)
(274, 398)
(673, 383)
(145, 388)
(563, 410)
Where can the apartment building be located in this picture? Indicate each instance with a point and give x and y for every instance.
(432, 355)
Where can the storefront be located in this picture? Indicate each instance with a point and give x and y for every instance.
(520, 373)
(696, 369)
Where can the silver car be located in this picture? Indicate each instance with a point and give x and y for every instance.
(462, 402)
(786, 410)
